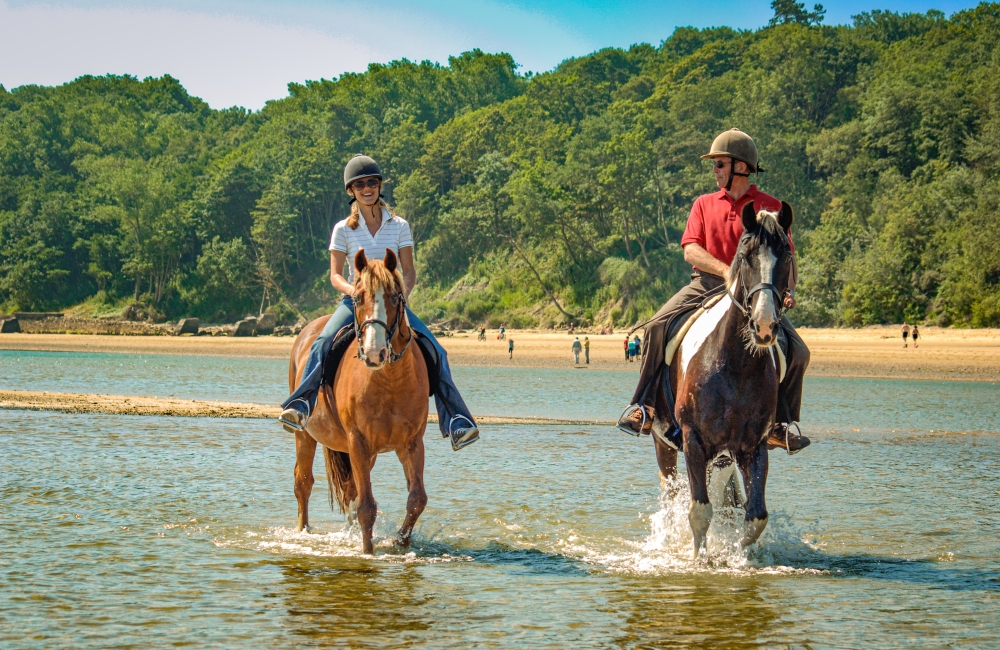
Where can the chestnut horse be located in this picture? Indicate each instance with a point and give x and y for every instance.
(726, 373)
(377, 403)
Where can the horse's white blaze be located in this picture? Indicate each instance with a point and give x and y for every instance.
(375, 333)
(702, 329)
(764, 311)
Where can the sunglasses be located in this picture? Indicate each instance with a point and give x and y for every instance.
(362, 184)
(720, 164)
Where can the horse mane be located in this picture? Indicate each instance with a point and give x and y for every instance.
(768, 233)
(376, 274)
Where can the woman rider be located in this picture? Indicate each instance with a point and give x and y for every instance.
(373, 227)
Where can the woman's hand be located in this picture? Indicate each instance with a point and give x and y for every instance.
(337, 279)
(789, 299)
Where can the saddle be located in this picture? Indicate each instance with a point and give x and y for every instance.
(344, 340)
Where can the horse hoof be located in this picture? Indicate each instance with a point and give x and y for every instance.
(754, 527)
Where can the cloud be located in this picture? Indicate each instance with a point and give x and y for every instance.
(226, 60)
(245, 54)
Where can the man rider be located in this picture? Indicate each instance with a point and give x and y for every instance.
(710, 241)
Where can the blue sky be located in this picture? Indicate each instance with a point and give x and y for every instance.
(244, 53)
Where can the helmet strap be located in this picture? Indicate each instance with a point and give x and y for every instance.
(733, 173)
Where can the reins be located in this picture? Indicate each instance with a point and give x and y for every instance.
(390, 332)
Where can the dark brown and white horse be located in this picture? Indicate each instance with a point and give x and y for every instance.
(727, 370)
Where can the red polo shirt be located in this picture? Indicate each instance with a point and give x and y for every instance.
(716, 221)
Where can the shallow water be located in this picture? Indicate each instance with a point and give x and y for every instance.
(124, 530)
(569, 393)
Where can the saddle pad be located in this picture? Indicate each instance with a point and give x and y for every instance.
(777, 351)
(675, 341)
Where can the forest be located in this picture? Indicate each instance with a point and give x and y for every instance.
(534, 199)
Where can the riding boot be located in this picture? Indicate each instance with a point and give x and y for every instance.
(782, 437)
(303, 398)
(455, 421)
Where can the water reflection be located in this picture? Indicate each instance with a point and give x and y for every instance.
(701, 611)
(331, 602)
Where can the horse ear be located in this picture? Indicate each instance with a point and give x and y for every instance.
(786, 216)
(390, 260)
(749, 218)
(360, 261)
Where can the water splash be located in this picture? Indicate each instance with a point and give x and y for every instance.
(781, 549)
(343, 541)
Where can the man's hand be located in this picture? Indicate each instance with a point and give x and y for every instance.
(789, 299)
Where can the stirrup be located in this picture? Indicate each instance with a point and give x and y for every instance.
(295, 427)
(629, 410)
(788, 428)
(470, 436)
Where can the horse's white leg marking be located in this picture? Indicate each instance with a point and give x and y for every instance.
(702, 329)
(718, 481)
(375, 334)
(754, 528)
(699, 516)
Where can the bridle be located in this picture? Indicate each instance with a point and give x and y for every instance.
(399, 301)
(744, 306)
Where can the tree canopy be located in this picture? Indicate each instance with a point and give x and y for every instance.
(533, 199)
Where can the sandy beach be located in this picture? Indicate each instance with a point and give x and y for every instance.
(169, 406)
(944, 354)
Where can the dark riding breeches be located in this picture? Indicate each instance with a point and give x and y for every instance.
(654, 345)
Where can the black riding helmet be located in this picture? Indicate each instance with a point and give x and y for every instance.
(360, 166)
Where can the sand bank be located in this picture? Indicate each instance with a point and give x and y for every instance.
(141, 405)
(868, 352)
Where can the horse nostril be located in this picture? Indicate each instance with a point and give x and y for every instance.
(381, 356)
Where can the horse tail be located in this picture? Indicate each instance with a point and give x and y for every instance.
(339, 476)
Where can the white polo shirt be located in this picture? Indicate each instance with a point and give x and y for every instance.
(394, 233)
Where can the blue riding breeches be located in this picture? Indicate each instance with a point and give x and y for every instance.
(447, 398)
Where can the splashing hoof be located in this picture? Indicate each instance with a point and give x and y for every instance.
(699, 516)
(403, 541)
(753, 529)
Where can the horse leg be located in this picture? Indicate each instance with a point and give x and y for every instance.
(666, 458)
(755, 477)
(361, 464)
(412, 458)
(305, 452)
(700, 513)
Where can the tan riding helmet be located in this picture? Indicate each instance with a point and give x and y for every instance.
(737, 145)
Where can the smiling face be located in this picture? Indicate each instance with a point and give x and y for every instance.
(366, 190)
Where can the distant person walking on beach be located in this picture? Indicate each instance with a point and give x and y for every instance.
(586, 347)
(482, 333)
(906, 333)
(638, 347)
(503, 333)
(510, 349)
(577, 347)
(915, 333)
(626, 349)
(631, 351)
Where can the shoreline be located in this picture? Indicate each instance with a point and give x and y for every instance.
(873, 352)
(26, 400)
